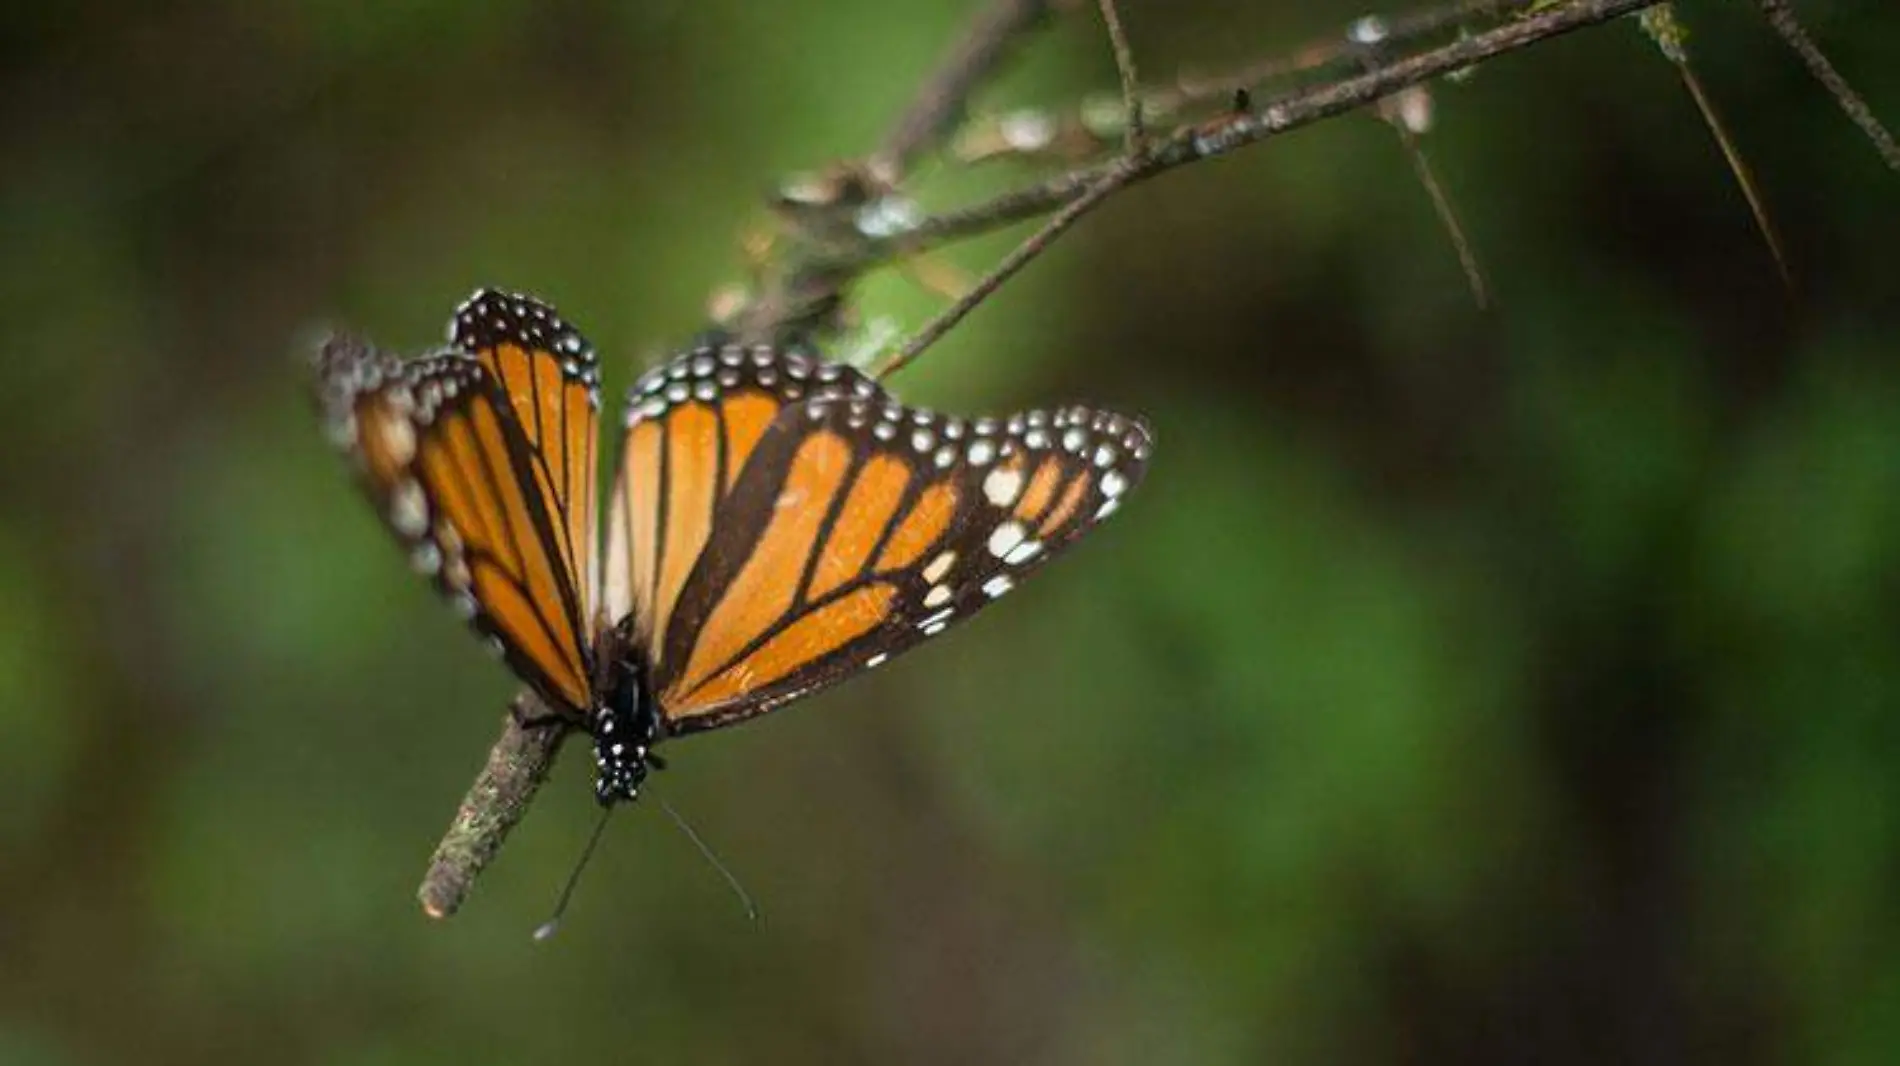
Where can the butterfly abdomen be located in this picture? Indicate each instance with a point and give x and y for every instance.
(625, 726)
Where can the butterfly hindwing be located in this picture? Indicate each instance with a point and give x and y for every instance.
(859, 528)
(691, 425)
(442, 451)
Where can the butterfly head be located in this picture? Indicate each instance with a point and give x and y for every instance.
(626, 726)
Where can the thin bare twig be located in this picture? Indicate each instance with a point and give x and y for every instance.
(1744, 177)
(1408, 131)
(1070, 214)
(1671, 38)
(940, 105)
(1134, 137)
(1781, 17)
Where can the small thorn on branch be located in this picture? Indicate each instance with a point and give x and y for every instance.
(1672, 40)
(1409, 114)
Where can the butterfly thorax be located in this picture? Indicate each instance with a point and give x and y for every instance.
(626, 726)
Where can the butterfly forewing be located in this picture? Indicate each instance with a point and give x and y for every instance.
(691, 425)
(859, 528)
(444, 456)
(550, 376)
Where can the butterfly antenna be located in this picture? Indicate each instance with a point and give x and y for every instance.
(553, 924)
(745, 899)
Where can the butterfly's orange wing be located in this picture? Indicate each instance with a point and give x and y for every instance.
(857, 528)
(691, 425)
(486, 503)
(549, 374)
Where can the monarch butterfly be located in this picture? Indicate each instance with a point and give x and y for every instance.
(777, 523)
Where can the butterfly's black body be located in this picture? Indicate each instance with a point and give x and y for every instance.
(625, 726)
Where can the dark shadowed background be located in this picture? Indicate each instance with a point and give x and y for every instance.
(1519, 686)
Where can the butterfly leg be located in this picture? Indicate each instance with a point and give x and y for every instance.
(526, 723)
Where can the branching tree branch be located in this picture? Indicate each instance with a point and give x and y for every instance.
(1290, 111)
(841, 226)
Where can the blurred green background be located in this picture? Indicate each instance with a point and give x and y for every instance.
(1519, 686)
